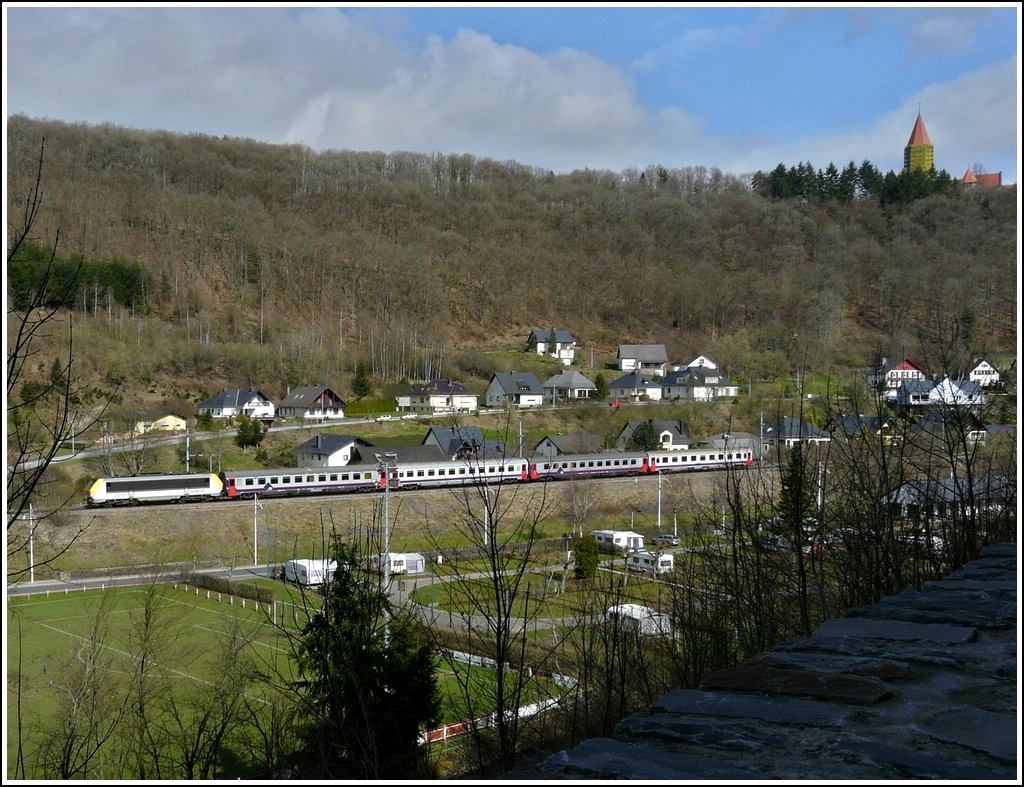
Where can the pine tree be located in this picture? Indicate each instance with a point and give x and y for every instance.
(368, 676)
(361, 384)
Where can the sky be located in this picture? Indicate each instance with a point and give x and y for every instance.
(611, 87)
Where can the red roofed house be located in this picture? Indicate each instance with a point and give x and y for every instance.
(994, 179)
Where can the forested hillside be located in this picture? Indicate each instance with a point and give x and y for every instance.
(241, 262)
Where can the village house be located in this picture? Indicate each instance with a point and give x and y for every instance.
(163, 422)
(566, 386)
(983, 373)
(634, 387)
(561, 444)
(669, 435)
(311, 403)
(789, 431)
(232, 402)
(438, 397)
(329, 450)
(651, 359)
(563, 347)
(514, 389)
(699, 383)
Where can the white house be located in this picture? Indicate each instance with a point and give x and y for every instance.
(702, 362)
(312, 403)
(566, 386)
(438, 397)
(959, 393)
(328, 450)
(232, 402)
(983, 373)
(514, 389)
(563, 347)
(700, 383)
(643, 358)
(617, 540)
(634, 387)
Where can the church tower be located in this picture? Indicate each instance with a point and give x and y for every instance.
(919, 152)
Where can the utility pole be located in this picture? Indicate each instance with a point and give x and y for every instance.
(387, 465)
(255, 531)
(31, 544)
(659, 501)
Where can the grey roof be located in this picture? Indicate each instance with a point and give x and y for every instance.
(853, 425)
(440, 387)
(518, 382)
(574, 443)
(305, 395)
(233, 397)
(462, 440)
(569, 379)
(403, 453)
(677, 430)
(327, 444)
(946, 490)
(788, 428)
(648, 353)
(561, 336)
(696, 375)
(633, 380)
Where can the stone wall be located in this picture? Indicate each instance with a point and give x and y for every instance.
(922, 685)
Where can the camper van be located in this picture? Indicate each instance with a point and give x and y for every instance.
(643, 620)
(401, 563)
(309, 572)
(652, 563)
(617, 540)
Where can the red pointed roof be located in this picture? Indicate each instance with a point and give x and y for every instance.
(919, 136)
(969, 177)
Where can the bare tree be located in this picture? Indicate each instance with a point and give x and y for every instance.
(91, 706)
(43, 416)
(496, 601)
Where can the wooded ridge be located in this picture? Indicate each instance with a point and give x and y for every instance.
(249, 260)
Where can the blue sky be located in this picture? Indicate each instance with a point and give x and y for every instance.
(740, 88)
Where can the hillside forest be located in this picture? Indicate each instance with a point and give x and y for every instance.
(207, 262)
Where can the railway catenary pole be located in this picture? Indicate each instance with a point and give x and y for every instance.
(386, 463)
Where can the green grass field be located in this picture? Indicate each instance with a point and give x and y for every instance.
(53, 637)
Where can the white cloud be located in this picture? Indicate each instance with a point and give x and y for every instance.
(351, 81)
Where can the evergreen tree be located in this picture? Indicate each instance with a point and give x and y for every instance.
(368, 678)
(361, 384)
(644, 438)
(587, 557)
(250, 432)
(600, 387)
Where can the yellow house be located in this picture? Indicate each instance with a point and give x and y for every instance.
(165, 422)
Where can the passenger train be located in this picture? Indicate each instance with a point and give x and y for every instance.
(245, 484)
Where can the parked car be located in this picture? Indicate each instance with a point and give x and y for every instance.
(667, 540)
(409, 416)
(385, 417)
